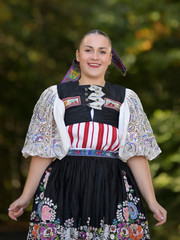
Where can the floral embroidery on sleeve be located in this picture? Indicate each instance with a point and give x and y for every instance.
(43, 138)
(140, 139)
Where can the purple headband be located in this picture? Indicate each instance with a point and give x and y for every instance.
(74, 73)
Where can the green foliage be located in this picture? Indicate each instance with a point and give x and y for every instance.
(166, 170)
(37, 44)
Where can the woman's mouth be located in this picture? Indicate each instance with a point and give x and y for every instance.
(94, 65)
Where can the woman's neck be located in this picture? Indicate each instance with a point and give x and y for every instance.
(86, 81)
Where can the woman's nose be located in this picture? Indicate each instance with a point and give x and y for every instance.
(95, 55)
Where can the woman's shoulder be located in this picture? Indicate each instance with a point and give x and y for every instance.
(67, 85)
(62, 86)
(48, 95)
(114, 85)
(116, 90)
(126, 94)
(66, 89)
(51, 89)
(131, 95)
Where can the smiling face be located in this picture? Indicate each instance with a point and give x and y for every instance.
(94, 56)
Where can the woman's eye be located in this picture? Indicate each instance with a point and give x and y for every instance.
(102, 52)
(87, 50)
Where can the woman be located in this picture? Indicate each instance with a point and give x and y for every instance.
(90, 142)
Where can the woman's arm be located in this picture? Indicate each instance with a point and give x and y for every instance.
(36, 170)
(140, 169)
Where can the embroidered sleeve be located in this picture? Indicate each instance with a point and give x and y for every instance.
(43, 137)
(136, 134)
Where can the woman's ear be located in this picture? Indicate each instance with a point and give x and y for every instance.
(77, 55)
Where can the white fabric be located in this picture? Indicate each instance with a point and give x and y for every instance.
(59, 111)
(47, 135)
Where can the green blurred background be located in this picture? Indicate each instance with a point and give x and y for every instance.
(38, 39)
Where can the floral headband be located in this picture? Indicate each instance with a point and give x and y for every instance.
(74, 71)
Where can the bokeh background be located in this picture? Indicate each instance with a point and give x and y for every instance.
(38, 39)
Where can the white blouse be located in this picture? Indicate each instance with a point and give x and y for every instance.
(47, 135)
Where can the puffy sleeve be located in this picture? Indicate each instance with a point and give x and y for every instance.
(43, 138)
(136, 134)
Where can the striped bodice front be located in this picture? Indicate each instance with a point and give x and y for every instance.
(93, 135)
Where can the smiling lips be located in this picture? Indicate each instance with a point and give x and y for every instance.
(94, 65)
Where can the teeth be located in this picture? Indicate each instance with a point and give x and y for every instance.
(94, 64)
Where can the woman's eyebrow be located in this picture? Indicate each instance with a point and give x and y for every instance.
(92, 47)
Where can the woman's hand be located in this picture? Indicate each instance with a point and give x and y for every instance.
(16, 209)
(140, 168)
(36, 170)
(160, 214)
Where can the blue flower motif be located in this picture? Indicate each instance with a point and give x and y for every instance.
(57, 221)
(115, 222)
(133, 212)
(40, 208)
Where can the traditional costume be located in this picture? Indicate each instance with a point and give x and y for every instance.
(88, 191)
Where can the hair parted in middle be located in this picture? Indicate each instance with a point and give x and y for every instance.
(95, 31)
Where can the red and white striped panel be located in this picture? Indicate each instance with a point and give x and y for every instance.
(93, 135)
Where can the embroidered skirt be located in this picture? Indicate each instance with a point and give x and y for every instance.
(88, 197)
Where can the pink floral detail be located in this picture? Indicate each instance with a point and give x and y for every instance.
(46, 213)
(126, 214)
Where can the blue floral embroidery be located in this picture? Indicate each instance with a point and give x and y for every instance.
(133, 212)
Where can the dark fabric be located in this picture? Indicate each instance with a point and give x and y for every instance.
(87, 187)
(87, 191)
(81, 113)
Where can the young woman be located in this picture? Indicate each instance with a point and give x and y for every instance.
(90, 143)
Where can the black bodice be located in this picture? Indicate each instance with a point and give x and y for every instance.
(76, 102)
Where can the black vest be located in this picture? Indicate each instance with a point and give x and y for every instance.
(76, 101)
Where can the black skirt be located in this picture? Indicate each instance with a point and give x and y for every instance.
(88, 198)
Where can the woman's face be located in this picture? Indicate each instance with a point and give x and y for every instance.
(94, 56)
